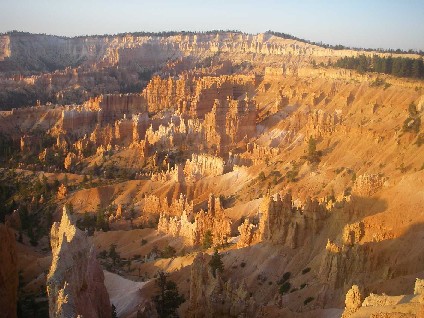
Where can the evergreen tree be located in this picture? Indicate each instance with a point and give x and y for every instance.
(168, 299)
(216, 263)
(207, 240)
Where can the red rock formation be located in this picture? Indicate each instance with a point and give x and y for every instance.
(202, 166)
(194, 95)
(75, 283)
(115, 106)
(8, 273)
(282, 223)
(353, 301)
(214, 221)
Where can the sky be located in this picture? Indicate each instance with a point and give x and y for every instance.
(359, 23)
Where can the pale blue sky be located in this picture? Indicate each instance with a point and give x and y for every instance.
(360, 23)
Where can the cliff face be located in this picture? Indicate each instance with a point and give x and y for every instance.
(8, 273)
(75, 283)
(195, 95)
(144, 50)
(280, 222)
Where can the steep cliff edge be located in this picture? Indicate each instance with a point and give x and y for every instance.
(8, 273)
(75, 283)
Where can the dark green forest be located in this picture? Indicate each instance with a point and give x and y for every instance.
(399, 66)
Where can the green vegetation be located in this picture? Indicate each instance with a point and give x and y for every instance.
(168, 299)
(207, 240)
(286, 276)
(399, 66)
(168, 252)
(339, 46)
(114, 255)
(285, 288)
(216, 263)
(114, 313)
(98, 221)
(33, 199)
(413, 122)
(308, 300)
(313, 156)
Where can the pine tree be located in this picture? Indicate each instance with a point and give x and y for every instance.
(207, 240)
(168, 299)
(216, 263)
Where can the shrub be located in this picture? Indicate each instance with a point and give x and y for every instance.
(306, 270)
(168, 252)
(303, 285)
(242, 264)
(103, 254)
(143, 242)
(285, 288)
(292, 175)
(308, 300)
(286, 276)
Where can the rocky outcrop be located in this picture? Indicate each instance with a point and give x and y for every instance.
(75, 283)
(62, 192)
(353, 233)
(78, 120)
(70, 161)
(259, 154)
(194, 95)
(112, 107)
(203, 165)
(247, 234)
(30, 143)
(229, 122)
(8, 273)
(368, 184)
(353, 301)
(213, 221)
(384, 306)
(175, 174)
(282, 223)
(213, 297)
(321, 123)
(419, 287)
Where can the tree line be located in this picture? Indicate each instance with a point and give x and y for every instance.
(398, 66)
(340, 46)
